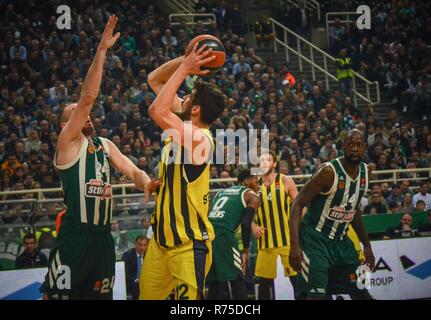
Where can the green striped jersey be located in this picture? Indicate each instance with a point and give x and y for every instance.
(86, 184)
(331, 212)
(228, 207)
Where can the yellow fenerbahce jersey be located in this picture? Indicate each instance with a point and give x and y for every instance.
(273, 214)
(182, 202)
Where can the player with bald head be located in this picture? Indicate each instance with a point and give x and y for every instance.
(82, 261)
(321, 251)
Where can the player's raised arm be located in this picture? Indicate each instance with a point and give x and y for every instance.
(160, 110)
(320, 182)
(123, 164)
(160, 76)
(90, 87)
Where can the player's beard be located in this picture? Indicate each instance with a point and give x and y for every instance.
(185, 115)
(269, 170)
(88, 131)
(351, 161)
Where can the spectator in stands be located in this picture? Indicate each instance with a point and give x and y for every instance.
(127, 151)
(327, 148)
(336, 34)
(425, 229)
(241, 67)
(423, 195)
(407, 89)
(384, 187)
(393, 79)
(395, 196)
(33, 141)
(6, 183)
(11, 164)
(376, 206)
(394, 207)
(133, 260)
(2, 152)
(405, 187)
(310, 163)
(420, 206)
(403, 230)
(302, 20)
(146, 223)
(31, 257)
(407, 205)
(344, 73)
(422, 99)
(289, 79)
(317, 98)
(263, 31)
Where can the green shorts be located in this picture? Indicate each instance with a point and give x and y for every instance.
(328, 266)
(81, 263)
(226, 262)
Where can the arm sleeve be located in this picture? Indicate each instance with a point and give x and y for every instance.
(247, 218)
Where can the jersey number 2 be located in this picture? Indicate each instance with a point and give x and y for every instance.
(181, 292)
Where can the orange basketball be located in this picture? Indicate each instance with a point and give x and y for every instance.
(218, 51)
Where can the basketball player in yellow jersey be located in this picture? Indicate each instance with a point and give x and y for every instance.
(179, 255)
(277, 191)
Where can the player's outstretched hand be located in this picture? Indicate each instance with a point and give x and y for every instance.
(245, 255)
(197, 58)
(108, 39)
(258, 231)
(152, 187)
(295, 257)
(369, 258)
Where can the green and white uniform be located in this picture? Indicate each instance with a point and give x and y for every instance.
(330, 259)
(84, 243)
(225, 215)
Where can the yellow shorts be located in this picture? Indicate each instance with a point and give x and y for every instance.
(266, 262)
(182, 268)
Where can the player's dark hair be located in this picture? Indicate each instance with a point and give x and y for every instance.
(243, 174)
(211, 100)
(273, 155)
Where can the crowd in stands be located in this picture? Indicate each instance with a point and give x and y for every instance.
(395, 52)
(42, 70)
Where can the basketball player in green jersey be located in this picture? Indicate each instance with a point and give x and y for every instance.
(231, 208)
(82, 261)
(321, 252)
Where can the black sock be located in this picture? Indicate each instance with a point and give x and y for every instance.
(237, 289)
(216, 290)
(266, 289)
